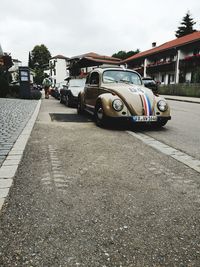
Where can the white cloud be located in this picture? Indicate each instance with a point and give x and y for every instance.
(79, 26)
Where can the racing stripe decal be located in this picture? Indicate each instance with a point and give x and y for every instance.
(149, 105)
(143, 111)
(146, 105)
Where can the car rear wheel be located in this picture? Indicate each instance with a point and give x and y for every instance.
(67, 100)
(61, 100)
(100, 117)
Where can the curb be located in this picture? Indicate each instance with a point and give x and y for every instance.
(12, 161)
(183, 100)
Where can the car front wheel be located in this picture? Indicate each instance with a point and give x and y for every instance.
(100, 117)
(80, 109)
(161, 123)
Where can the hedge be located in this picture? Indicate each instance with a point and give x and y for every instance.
(192, 90)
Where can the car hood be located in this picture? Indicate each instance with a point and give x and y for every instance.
(75, 90)
(138, 99)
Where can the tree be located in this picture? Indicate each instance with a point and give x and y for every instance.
(4, 85)
(39, 59)
(40, 56)
(123, 54)
(30, 62)
(186, 26)
(5, 76)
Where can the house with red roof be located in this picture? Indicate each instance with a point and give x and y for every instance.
(86, 62)
(172, 62)
(60, 67)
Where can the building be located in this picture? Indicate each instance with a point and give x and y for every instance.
(14, 70)
(58, 70)
(86, 62)
(172, 62)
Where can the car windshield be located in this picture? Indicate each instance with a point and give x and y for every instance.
(121, 76)
(76, 82)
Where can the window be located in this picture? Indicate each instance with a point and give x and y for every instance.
(54, 71)
(87, 79)
(94, 78)
(121, 76)
(163, 78)
(196, 51)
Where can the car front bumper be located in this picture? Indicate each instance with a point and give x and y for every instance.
(131, 119)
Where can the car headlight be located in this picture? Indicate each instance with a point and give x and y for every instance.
(117, 104)
(162, 105)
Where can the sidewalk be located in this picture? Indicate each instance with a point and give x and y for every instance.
(10, 164)
(114, 203)
(195, 100)
(11, 157)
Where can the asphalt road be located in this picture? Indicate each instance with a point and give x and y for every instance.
(183, 131)
(85, 196)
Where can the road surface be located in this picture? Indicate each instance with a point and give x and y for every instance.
(86, 196)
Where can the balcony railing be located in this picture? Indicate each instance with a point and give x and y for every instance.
(197, 56)
(161, 62)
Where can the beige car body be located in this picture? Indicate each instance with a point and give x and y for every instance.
(138, 101)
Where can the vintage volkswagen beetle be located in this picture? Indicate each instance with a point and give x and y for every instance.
(119, 93)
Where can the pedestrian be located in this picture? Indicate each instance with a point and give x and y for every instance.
(46, 85)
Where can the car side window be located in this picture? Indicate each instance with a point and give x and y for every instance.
(87, 79)
(94, 78)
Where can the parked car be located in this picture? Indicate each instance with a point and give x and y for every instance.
(151, 84)
(119, 93)
(69, 94)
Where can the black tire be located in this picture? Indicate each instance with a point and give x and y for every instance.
(99, 114)
(67, 101)
(80, 108)
(70, 105)
(161, 123)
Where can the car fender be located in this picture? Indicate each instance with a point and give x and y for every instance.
(106, 100)
(165, 113)
(81, 96)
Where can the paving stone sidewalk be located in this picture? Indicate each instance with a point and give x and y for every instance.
(14, 115)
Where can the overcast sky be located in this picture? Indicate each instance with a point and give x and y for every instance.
(73, 27)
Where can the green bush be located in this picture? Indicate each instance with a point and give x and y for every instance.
(35, 94)
(196, 76)
(14, 91)
(3, 83)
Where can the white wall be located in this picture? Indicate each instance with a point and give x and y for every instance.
(59, 72)
(188, 77)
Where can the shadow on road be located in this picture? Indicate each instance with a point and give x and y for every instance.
(64, 117)
(110, 125)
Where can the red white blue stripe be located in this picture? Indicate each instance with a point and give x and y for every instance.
(146, 105)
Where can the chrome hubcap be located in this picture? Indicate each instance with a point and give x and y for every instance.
(100, 113)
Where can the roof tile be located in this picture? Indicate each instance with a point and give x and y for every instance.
(195, 36)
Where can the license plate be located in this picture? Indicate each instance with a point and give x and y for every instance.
(144, 118)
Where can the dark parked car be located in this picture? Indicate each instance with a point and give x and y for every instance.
(151, 84)
(69, 94)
